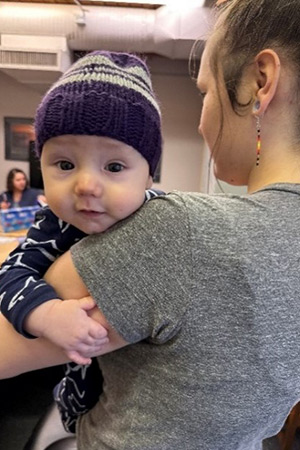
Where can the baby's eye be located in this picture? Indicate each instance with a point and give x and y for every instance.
(65, 165)
(114, 167)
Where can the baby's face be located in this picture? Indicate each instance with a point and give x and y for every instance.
(92, 182)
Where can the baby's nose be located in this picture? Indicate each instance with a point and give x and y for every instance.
(89, 184)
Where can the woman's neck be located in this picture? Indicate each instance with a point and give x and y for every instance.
(276, 166)
(17, 195)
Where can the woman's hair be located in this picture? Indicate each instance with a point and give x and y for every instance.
(10, 179)
(244, 28)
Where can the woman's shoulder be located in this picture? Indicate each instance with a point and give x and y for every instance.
(29, 197)
(5, 195)
(196, 201)
(33, 190)
(212, 213)
(209, 214)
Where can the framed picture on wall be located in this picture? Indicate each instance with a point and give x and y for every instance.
(18, 134)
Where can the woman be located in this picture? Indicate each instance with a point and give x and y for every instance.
(18, 193)
(202, 303)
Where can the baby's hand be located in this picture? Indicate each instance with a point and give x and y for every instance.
(67, 324)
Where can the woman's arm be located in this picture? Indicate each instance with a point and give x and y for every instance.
(63, 276)
(19, 354)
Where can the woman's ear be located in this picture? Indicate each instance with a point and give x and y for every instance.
(267, 72)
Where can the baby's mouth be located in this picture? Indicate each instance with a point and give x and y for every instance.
(90, 212)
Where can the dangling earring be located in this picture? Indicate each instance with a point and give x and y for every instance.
(258, 140)
(256, 107)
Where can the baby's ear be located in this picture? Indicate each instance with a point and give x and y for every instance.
(149, 182)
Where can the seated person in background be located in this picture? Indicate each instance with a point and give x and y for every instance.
(97, 170)
(18, 193)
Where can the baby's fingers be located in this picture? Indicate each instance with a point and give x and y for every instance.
(77, 358)
(97, 331)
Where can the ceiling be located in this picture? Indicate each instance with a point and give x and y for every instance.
(38, 39)
(91, 3)
(207, 3)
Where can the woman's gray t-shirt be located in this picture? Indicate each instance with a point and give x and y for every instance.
(207, 290)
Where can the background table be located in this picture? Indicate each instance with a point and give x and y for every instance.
(9, 241)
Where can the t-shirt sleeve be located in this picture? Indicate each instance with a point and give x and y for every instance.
(139, 271)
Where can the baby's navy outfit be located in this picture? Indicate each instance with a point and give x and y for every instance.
(22, 289)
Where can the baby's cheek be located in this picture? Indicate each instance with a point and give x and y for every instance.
(57, 203)
(126, 206)
(51, 199)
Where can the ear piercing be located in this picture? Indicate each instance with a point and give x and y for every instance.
(256, 106)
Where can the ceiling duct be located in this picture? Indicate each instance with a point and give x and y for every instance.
(37, 39)
(34, 61)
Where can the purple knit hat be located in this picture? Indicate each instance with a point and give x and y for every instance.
(104, 94)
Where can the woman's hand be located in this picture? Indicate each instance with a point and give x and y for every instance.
(4, 205)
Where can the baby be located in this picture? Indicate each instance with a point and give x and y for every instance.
(98, 133)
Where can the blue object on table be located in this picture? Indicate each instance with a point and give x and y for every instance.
(15, 219)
